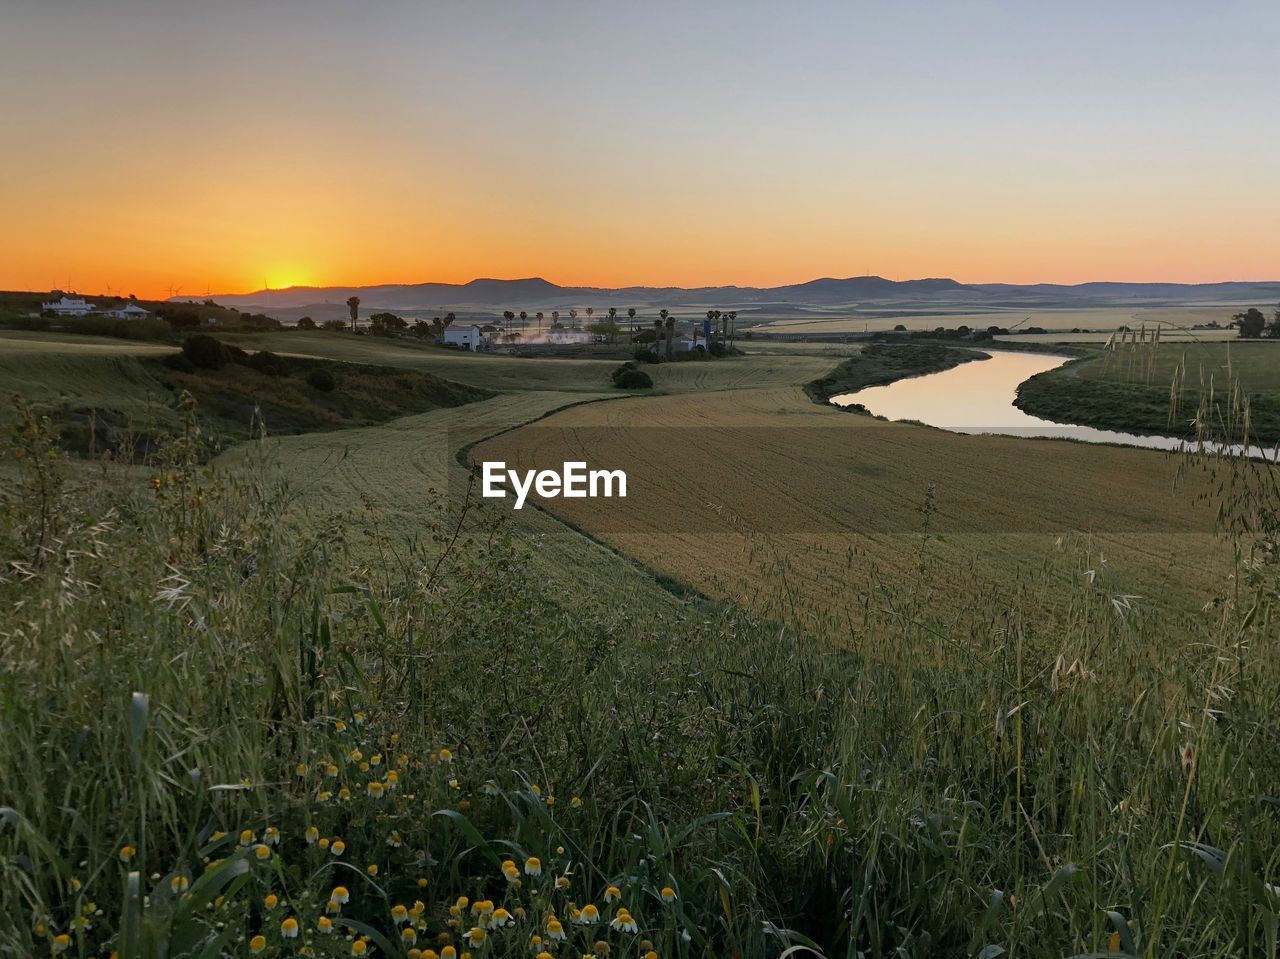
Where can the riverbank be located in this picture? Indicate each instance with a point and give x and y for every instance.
(883, 363)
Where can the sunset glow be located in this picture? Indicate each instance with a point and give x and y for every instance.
(235, 147)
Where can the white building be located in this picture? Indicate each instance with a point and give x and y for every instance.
(130, 311)
(467, 336)
(68, 307)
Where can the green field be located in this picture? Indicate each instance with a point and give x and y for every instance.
(821, 681)
(1173, 388)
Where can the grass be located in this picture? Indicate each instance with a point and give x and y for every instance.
(883, 363)
(945, 731)
(1159, 389)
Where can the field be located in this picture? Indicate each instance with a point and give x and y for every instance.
(820, 682)
(1131, 388)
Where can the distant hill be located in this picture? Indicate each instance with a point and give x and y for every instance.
(535, 293)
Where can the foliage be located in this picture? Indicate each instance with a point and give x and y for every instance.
(206, 352)
(322, 379)
(629, 377)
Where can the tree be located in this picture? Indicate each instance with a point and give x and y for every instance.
(306, 323)
(732, 317)
(590, 310)
(605, 328)
(573, 319)
(353, 304)
(671, 335)
(1251, 323)
(555, 319)
(523, 318)
(631, 314)
(508, 316)
(538, 316)
(448, 318)
(1273, 328)
(386, 324)
(657, 336)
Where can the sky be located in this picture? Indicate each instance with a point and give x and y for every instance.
(229, 146)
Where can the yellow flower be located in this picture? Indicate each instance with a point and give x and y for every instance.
(340, 726)
(324, 796)
(247, 837)
(257, 944)
(555, 930)
(359, 717)
(217, 836)
(61, 942)
(668, 894)
(448, 952)
(589, 914)
(300, 769)
(179, 883)
(334, 906)
(338, 847)
(490, 788)
(376, 789)
(271, 901)
(623, 922)
(409, 935)
(312, 835)
(533, 866)
(359, 948)
(324, 843)
(372, 869)
(127, 853)
(355, 756)
(340, 894)
(612, 894)
(289, 928)
(500, 918)
(476, 937)
(510, 871)
(344, 793)
(544, 955)
(650, 955)
(575, 802)
(393, 778)
(375, 759)
(445, 756)
(272, 836)
(331, 771)
(262, 851)
(394, 840)
(562, 882)
(325, 924)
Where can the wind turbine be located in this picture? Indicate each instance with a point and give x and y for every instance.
(174, 290)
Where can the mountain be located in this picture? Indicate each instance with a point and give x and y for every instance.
(865, 292)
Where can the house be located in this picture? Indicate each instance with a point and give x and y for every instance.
(130, 311)
(468, 336)
(67, 306)
(563, 337)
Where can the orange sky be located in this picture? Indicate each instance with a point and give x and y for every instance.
(615, 147)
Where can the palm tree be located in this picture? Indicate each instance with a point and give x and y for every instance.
(671, 334)
(573, 319)
(353, 304)
(449, 318)
(524, 317)
(657, 337)
(538, 316)
(711, 315)
(631, 313)
(508, 316)
(733, 316)
(590, 311)
(555, 319)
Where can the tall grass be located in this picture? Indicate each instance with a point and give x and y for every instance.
(191, 685)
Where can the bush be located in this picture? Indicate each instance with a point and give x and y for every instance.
(271, 364)
(628, 377)
(205, 352)
(647, 356)
(179, 362)
(322, 380)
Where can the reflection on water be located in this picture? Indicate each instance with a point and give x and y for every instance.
(978, 397)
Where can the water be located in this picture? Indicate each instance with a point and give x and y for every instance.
(978, 397)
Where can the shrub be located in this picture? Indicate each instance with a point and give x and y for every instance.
(647, 356)
(628, 377)
(205, 352)
(322, 380)
(271, 364)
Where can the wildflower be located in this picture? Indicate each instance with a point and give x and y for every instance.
(445, 756)
(127, 853)
(394, 840)
(463, 902)
(500, 918)
(544, 955)
(289, 928)
(364, 767)
(247, 837)
(340, 894)
(409, 935)
(257, 944)
(338, 847)
(344, 794)
(623, 922)
(218, 836)
(61, 942)
(453, 783)
(340, 726)
(376, 789)
(589, 914)
(601, 948)
(490, 788)
(562, 882)
(555, 930)
(324, 843)
(476, 937)
(271, 901)
(422, 882)
(359, 948)
(312, 835)
(372, 869)
(612, 894)
(650, 955)
(355, 755)
(179, 883)
(324, 796)
(325, 925)
(375, 759)
(668, 894)
(334, 906)
(262, 851)
(272, 836)
(359, 717)
(448, 952)
(331, 771)
(535, 940)
(393, 779)
(575, 802)
(300, 769)
(510, 871)
(533, 866)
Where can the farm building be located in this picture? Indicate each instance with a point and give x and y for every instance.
(68, 306)
(130, 311)
(467, 336)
